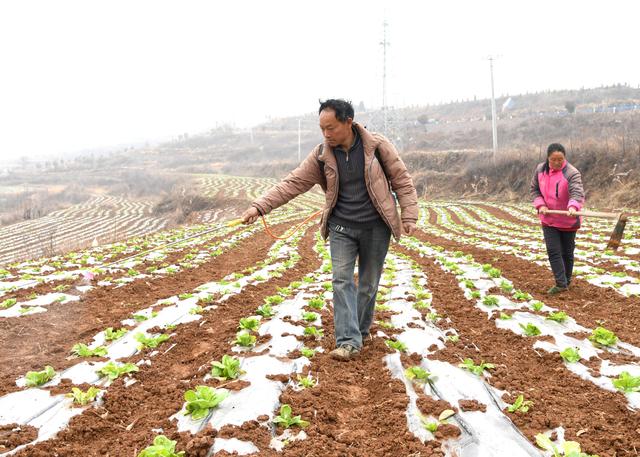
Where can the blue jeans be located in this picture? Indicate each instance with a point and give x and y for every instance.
(353, 309)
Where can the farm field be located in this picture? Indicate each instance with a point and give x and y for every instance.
(216, 337)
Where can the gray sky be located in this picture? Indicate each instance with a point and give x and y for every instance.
(83, 74)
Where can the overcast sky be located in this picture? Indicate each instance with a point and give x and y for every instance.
(83, 74)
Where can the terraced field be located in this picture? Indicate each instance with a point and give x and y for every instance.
(212, 339)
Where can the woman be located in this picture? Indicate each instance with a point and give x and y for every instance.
(557, 185)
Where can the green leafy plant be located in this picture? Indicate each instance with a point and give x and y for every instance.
(38, 378)
(310, 316)
(245, 339)
(559, 316)
(453, 338)
(227, 368)
(570, 355)
(442, 419)
(520, 404)
(490, 300)
(536, 305)
(530, 329)
(142, 317)
(505, 316)
(313, 331)
(568, 448)
(385, 324)
(520, 295)
(602, 337)
(249, 323)
(265, 310)
(306, 382)
(417, 374)
(396, 345)
(286, 419)
(494, 273)
(506, 287)
(421, 304)
(316, 302)
(201, 400)
(307, 352)
(475, 294)
(83, 398)
(273, 300)
(627, 383)
(82, 350)
(196, 310)
(150, 341)
(113, 371)
(476, 369)
(8, 303)
(111, 335)
(382, 307)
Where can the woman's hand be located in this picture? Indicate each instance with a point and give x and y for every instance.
(543, 210)
(572, 211)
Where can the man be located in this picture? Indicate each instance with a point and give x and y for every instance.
(355, 169)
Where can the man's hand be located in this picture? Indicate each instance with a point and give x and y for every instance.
(572, 211)
(543, 210)
(250, 215)
(408, 228)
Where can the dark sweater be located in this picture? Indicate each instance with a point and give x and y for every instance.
(353, 208)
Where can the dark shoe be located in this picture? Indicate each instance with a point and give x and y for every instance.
(344, 353)
(556, 290)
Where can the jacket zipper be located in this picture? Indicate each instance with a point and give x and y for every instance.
(557, 184)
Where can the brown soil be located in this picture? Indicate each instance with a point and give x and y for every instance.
(14, 435)
(559, 396)
(472, 405)
(25, 348)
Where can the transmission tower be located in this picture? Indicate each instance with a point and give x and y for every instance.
(384, 43)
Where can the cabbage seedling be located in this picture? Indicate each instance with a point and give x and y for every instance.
(38, 378)
(308, 353)
(227, 368)
(570, 355)
(476, 369)
(286, 419)
(306, 382)
(397, 345)
(162, 447)
(150, 341)
(417, 374)
(316, 302)
(201, 400)
(113, 371)
(537, 305)
(310, 316)
(245, 339)
(111, 335)
(265, 310)
(627, 383)
(313, 331)
(559, 316)
(249, 323)
(520, 404)
(530, 329)
(82, 350)
(83, 398)
(602, 337)
(490, 300)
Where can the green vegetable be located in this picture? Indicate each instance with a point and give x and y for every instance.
(150, 341)
(476, 369)
(227, 368)
(245, 339)
(520, 404)
(537, 305)
(397, 345)
(570, 355)
(306, 382)
(308, 353)
(416, 373)
(111, 335)
(385, 324)
(627, 383)
(490, 300)
(530, 329)
(506, 287)
(201, 400)
(310, 316)
(83, 398)
(8, 303)
(519, 295)
(82, 350)
(286, 419)
(273, 300)
(113, 371)
(505, 316)
(603, 337)
(265, 310)
(313, 331)
(38, 378)
(559, 316)
(316, 302)
(249, 323)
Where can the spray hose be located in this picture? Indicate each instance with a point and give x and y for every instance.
(268, 230)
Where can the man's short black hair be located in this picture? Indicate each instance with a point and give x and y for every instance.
(342, 108)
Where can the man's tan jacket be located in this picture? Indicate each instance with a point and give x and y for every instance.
(310, 172)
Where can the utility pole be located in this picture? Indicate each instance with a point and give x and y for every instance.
(384, 45)
(494, 123)
(299, 139)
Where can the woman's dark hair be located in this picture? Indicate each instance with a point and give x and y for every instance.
(342, 108)
(553, 147)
